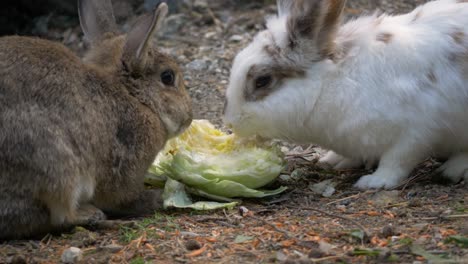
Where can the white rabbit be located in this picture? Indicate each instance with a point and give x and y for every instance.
(386, 89)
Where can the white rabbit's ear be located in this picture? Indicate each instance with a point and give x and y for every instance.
(313, 21)
(96, 18)
(284, 6)
(140, 36)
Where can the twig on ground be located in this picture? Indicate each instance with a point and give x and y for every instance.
(265, 222)
(409, 181)
(309, 151)
(215, 19)
(317, 260)
(396, 205)
(344, 199)
(363, 229)
(47, 238)
(447, 217)
(224, 223)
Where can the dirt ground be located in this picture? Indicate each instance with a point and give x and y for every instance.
(422, 221)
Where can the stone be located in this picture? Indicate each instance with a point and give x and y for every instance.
(325, 188)
(198, 65)
(236, 38)
(72, 255)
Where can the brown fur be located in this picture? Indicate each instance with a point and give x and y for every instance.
(462, 1)
(384, 37)
(341, 51)
(273, 51)
(462, 60)
(305, 20)
(316, 20)
(76, 132)
(329, 27)
(278, 73)
(458, 36)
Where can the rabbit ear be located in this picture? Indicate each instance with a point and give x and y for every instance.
(284, 6)
(139, 37)
(96, 18)
(314, 20)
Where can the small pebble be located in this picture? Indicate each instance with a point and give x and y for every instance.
(280, 256)
(346, 202)
(316, 253)
(236, 38)
(411, 194)
(192, 245)
(198, 65)
(243, 210)
(387, 231)
(72, 255)
(341, 207)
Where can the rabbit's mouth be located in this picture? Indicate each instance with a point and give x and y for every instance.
(174, 128)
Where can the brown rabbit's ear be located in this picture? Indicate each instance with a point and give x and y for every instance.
(96, 18)
(139, 37)
(312, 20)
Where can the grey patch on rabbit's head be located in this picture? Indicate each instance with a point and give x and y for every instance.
(462, 61)
(262, 80)
(273, 50)
(309, 37)
(384, 37)
(458, 36)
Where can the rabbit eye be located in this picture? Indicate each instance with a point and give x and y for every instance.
(263, 81)
(168, 77)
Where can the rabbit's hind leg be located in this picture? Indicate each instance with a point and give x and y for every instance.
(456, 168)
(88, 214)
(21, 216)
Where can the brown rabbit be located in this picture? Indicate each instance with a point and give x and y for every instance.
(78, 135)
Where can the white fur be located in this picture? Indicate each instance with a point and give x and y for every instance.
(376, 104)
(172, 127)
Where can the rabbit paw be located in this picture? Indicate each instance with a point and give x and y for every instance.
(456, 168)
(378, 180)
(88, 214)
(338, 162)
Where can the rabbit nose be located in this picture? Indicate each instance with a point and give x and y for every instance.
(188, 122)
